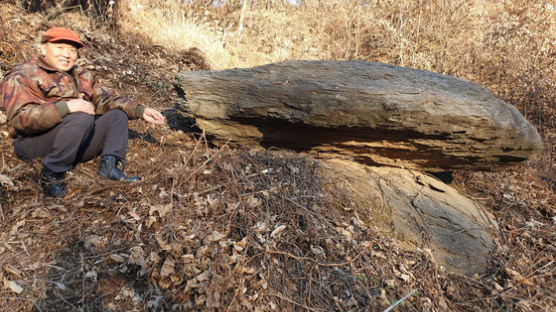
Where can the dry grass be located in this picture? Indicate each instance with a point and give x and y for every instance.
(119, 242)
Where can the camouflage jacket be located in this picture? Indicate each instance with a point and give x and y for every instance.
(34, 96)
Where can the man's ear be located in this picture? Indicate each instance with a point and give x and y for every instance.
(43, 49)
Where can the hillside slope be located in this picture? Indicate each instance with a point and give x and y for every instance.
(211, 229)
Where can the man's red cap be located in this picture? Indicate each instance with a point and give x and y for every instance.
(57, 34)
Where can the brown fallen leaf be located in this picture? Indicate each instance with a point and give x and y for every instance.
(278, 231)
(74, 192)
(16, 227)
(150, 221)
(96, 240)
(137, 256)
(518, 277)
(214, 237)
(378, 254)
(162, 210)
(167, 268)
(5, 180)
(239, 246)
(116, 257)
(41, 213)
(253, 202)
(134, 215)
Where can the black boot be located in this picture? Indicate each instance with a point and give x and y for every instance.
(109, 169)
(53, 183)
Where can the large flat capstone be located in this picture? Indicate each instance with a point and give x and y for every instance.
(374, 113)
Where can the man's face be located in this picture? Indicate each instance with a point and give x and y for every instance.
(61, 56)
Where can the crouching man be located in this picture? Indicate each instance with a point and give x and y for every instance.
(59, 111)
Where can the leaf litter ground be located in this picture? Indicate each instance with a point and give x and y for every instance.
(225, 229)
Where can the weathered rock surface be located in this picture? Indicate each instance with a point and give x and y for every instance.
(371, 112)
(421, 210)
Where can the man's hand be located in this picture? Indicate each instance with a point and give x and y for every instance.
(79, 105)
(153, 116)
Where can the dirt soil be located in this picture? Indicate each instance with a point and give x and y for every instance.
(226, 229)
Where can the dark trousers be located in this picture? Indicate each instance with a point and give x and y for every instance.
(78, 138)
